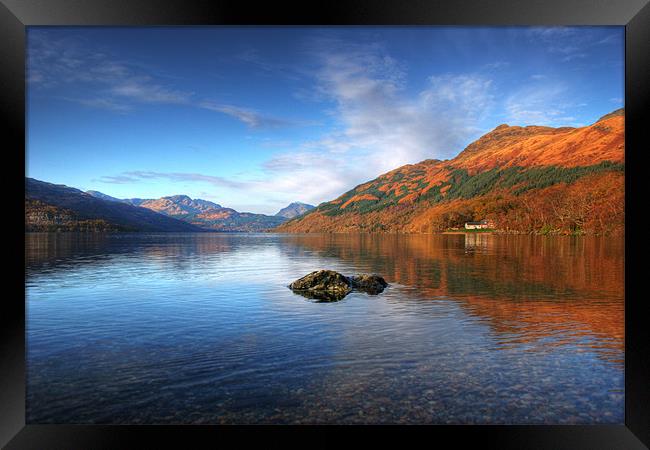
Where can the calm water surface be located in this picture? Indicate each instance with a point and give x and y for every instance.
(201, 328)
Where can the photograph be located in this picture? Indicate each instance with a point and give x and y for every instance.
(325, 225)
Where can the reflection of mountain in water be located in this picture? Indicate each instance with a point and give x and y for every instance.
(528, 289)
(201, 328)
(48, 252)
(541, 291)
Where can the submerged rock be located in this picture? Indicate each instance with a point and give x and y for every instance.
(326, 285)
(372, 284)
(331, 286)
(322, 296)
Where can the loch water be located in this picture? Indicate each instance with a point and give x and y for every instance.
(201, 328)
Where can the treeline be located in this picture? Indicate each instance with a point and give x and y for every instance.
(41, 217)
(521, 179)
(592, 205)
(461, 185)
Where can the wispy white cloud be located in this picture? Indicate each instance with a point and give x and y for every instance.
(115, 179)
(264, 65)
(252, 118)
(101, 103)
(497, 65)
(380, 124)
(537, 104)
(569, 43)
(52, 62)
(143, 89)
(311, 177)
(612, 38)
(143, 175)
(572, 56)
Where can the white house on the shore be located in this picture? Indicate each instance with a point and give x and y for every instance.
(476, 225)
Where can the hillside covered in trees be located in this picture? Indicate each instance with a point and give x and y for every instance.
(53, 207)
(524, 179)
(40, 216)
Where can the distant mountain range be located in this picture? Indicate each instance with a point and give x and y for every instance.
(209, 215)
(51, 207)
(531, 179)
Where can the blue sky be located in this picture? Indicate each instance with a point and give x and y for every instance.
(254, 118)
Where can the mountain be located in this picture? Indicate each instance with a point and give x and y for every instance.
(40, 216)
(52, 207)
(99, 195)
(209, 215)
(202, 213)
(175, 205)
(531, 179)
(294, 209)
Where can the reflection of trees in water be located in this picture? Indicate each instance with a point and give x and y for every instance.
(527, 288)
(47, 251)
(502, 266)
(547, 290)
(62, 251)
(544, 323)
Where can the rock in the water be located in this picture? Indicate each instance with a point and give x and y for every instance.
(322, 296)
(331, 286)
(324, 285)
(372, 284)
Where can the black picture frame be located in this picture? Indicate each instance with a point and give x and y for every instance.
(15, 15)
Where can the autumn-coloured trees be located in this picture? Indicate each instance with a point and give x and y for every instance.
(525, 179)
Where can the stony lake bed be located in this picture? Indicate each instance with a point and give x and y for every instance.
(201, 328)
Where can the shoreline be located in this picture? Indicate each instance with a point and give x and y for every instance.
(491, 232)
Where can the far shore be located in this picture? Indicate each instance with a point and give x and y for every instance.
(449, 232)
(470, 231)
